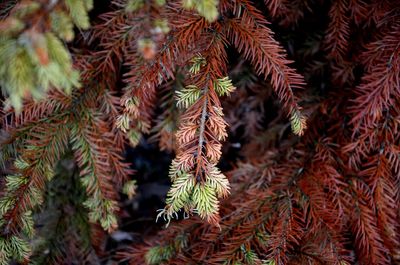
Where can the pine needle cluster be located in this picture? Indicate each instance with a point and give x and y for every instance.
(307, 119)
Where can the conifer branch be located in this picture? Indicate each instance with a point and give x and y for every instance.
(338, 30)
(328, 197)
(95, 177)
(268, 58)
(39, 60)
(364, 226)
(25, 188)
(201, 129)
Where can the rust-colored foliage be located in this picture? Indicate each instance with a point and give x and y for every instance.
(282, 116)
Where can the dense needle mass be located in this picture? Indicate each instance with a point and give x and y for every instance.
(281, 118)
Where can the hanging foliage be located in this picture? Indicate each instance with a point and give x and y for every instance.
(282, 119)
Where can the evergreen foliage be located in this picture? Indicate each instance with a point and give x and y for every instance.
(272, 165)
